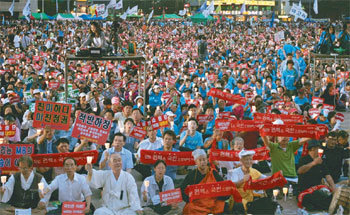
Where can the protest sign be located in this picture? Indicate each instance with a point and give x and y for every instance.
(73, 208)
(94, 128)
(340, 117)
(261, 153)
(316, 101)
(171, 158)
(202, 118)
(328, 107)
(297, 12)
(270, 118)
(10, 153)
(275, 180)
(227, 96)
(237, 125)
(7, 130)
(311, 131)
(55, 115)
(138, 133)
(54, 85)
(159, 122)
(213, 189)
(171, 196)
(56, 160)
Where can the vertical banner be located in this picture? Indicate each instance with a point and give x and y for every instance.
(55, 115)
(94, 128)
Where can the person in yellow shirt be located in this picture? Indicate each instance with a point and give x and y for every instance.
(240, 175)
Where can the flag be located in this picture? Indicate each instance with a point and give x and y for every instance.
(243, 8)
(218, 9)
(272, 19)
(12, 7)
(3, 19)
(182, 12)
(133, 10)
(125, 14)
(26, 11)
(150, 16)
(119, 5)
(299, 3)
(209, 9)
(202, 8)
(316, 6)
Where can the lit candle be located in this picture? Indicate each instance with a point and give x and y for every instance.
(41, 186)
(89, 159)
(285, 191)
(275, 193)
(107, 145)
(253, 109)
(314, 106)
(324, 144)
(3, 179)
(146, 185)
(320, 152)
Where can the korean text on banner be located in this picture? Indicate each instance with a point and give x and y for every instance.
(73, 208)
(94, 128)
(171, 158)
(55, 115)
(56, 160)
(171, 196)
(10, 154)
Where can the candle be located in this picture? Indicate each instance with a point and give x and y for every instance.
(3, 179)
(41, 186)
(320, 152)
(285, 191)
(275, 193)
(146, 185)
(253, 109)
(89, 159)
(107, 145)
(324, 144)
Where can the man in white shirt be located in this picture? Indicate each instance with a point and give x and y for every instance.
(119, 194)
(72, 187)
(122, 116)
(21, 190)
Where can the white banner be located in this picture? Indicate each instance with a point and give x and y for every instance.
(298, 13)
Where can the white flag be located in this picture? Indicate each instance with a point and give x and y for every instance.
(26, 10)
(133, 10)
(243, 8)
(12, 7)
(125, 14)
(182, 12)
(316, 6)
(300, 3)
(119, 5)
(209, 9)
(150, 16)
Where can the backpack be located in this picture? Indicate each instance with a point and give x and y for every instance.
(202, 47)
(263, 205)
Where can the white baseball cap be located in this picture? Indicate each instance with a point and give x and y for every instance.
(245, 153)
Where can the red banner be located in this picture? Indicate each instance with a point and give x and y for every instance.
(214, 189)
(314, 111)
(309, 191)
(310, 131)
(171, 158)
(54, 85)
(328, 107)
(275, 180)
(138, 133)
(94, 128)
(270, 118)
(340, 117)
(10, 154)
(55, 115)
(212, 77)
(159, 121)
(316, 101)
(73, 208)
(56, 160)
(171, 196)
(227, 96)
(7, 130)
(202, 119)
(277, 104)
(132, 86)
(261, 153)
(86, 68)
(224, 114)
(237, 125)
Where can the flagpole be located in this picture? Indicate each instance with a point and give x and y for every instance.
(42, 6)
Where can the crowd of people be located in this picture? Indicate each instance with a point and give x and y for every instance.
(184, 61)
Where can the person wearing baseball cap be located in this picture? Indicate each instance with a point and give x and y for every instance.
(274, 97)
(311, 171)
(241, 175)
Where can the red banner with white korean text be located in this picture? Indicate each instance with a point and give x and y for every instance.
(309, 191)
(56, 160)
(227, 96)
(202, 119)
(73, 208)
(316, 101)
(171, 196)
(214, 189)
(270, 118)
(237, 125)
(7, 130)
(138, 133)
(311, 131)
(171, 158)
(159, 121)
(261, 153)
(11, 153)
(94, 128)
(275, 180)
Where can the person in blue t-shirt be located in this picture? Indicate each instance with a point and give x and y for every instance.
(290, 77)
(301, 100)
(191, 139)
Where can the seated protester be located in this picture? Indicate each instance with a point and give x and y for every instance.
(334, 124)
(21, 190)
(8, 120)
(242, 174)
(46, 143)
(136, 115)
(301, 100)
(72, 187)
(122, 116)
(226, 166)
(68, 134)
(117, 147)
(218, 138)
(109, 114)
(119, 195)
(311, 171)
(131, 143)
(274, 97)
(343, 137)
(208, 128)
(322, 118)
(191, 139)
(201, 175)
(333, 156)
(171, 126)
(282, 154)
(84, 145)
(169, 139)
(158, 183)
(151, 143)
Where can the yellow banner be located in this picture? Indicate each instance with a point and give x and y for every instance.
(247, 2)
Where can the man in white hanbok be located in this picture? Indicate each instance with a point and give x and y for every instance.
(119, 194)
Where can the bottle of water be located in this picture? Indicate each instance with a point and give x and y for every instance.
(278, 210)
(290, 192)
